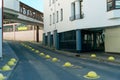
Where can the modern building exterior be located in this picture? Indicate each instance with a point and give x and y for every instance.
(15, 12)
(82, 25)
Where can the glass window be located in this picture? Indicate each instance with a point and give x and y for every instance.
(8, 28)
(50, 19)
(53, 1)
(53, 18)
(76, 10)
(57, 17)
(72, 11)
(117, 4)
(113, 4)
(49, 2)
(61, 14)
(109, 5)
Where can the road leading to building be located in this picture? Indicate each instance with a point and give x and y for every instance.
(33, 67)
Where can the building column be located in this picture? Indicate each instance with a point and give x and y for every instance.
(14, 32)
(49, 39)
(43, 42)
(37, 33)
(56, 39)
(1, 24)
(77, 9)
(94, 40)
(33, 33)
(78, 40)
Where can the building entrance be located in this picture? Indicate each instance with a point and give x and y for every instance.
(92, 40)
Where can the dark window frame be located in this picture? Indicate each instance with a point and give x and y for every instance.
(50, 20)
(61, 12)
(113, 5)
(81, 15)
(57, 16)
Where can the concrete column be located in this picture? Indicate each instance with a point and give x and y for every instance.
(77, 9)
(94, 40)
(56, 40)
(14, 32)
(1, 24)
(49, 39)
(33, 33)
(37, 33)
(43, 39)
(78, 40)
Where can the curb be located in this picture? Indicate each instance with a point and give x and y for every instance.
(76, 54)
(60, 52)
(8, 73)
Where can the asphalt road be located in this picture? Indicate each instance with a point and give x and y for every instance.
(33, 67)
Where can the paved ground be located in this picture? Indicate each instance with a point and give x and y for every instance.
(8, 53)
(33, 67)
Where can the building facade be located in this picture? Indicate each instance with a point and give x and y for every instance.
(22, 32)
(82, 25)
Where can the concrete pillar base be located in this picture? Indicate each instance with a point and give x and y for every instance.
(56, 39)
(78, 41)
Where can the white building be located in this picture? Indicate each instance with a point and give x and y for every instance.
(82, 25)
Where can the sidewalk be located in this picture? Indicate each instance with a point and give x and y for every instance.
(8, 53)
(100, 56)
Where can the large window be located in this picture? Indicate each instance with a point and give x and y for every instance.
(53, 1)
(50, 19)
(117, 4)
(61, 10)
(76, 10)
(53, 18)
(8, 29)
(113, 4)
(57, 15)
(49, 2)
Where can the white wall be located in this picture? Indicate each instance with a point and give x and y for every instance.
(22, 35)
(112, 40)
(95, 15)
(12, 4)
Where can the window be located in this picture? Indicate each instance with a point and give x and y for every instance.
(76, 10)
(57, 17)
(113, 4)
(53, 1)
(109, 5)
(61, 14)
(72, 12)
(49, 2)
(50, 19)
(53, 18)
(117, 4)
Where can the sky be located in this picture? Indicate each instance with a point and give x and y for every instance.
(36, 4)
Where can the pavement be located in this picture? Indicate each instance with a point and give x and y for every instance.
(8, 53)
(107, 70)
(100, 56)
(31, 66)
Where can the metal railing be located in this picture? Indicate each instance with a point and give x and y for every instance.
(30, 12)
(76, 17)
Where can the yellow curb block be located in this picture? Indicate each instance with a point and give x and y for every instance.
(92, 75)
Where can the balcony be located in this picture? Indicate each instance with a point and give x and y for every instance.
(113, 14)
(76, 17)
